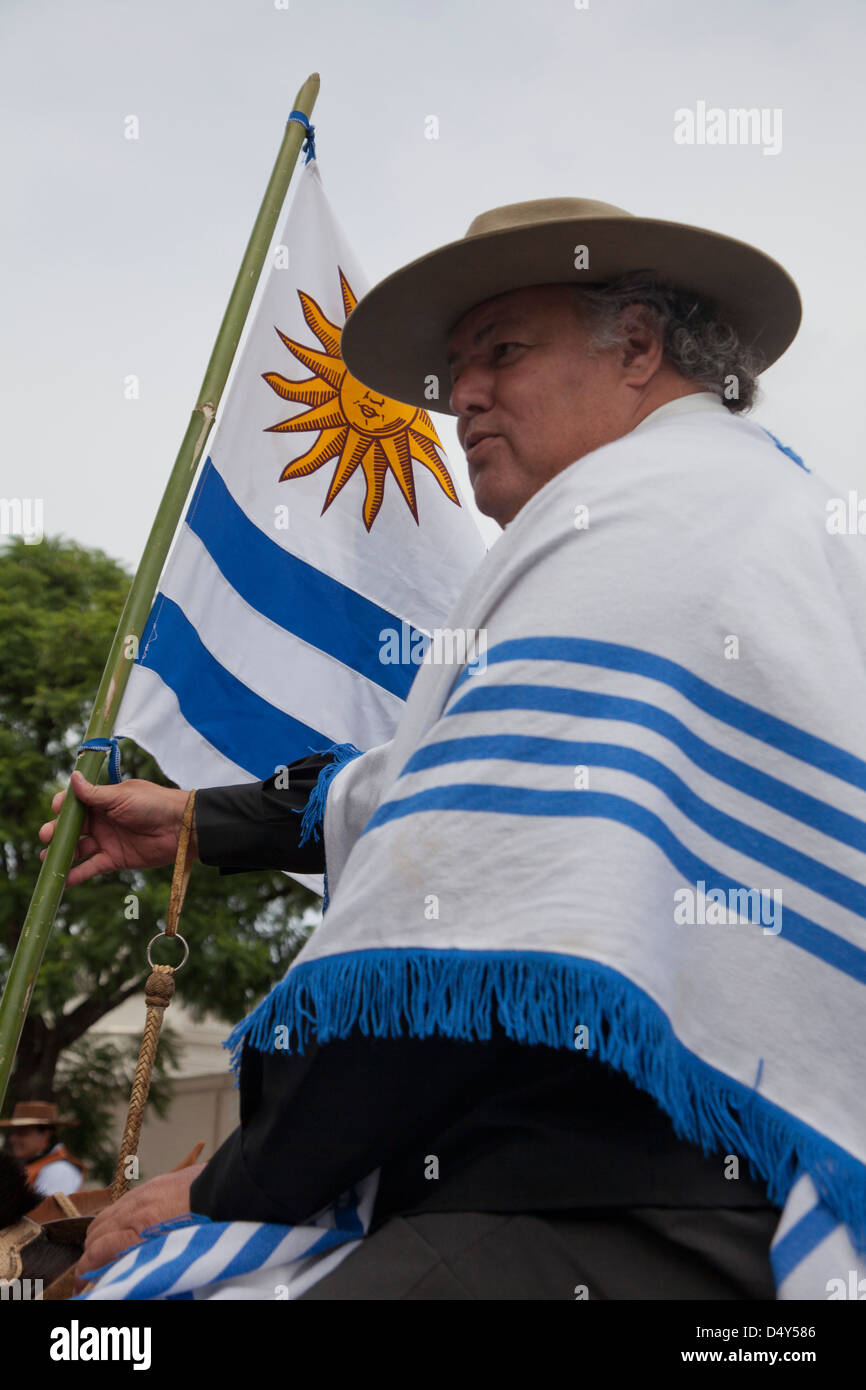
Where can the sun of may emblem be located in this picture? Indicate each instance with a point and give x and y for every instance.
(357, 427)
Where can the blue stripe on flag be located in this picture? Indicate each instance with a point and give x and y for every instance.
(294, 595)
(613, 656)
(744, 838)
(346, 1215)
(146, 1253)
(801, 1240)
(589, 705)
(260, 1246)
(523, 801)
(162, 1276)
(248, 729)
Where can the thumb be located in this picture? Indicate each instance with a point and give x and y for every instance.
(89, 792)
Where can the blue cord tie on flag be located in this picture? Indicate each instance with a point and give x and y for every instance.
(100, 745)
(309, 144)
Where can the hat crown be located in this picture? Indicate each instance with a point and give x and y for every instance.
(34, 1112)
(539, 211)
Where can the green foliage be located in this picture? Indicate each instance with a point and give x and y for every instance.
(59, 606)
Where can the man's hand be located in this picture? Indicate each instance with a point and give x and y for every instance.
(133, 825)
(121, 1224)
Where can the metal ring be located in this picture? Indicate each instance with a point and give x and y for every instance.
(177, 937)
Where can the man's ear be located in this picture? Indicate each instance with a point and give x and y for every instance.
(642, 349)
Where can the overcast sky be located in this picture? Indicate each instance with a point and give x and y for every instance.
(118, 255)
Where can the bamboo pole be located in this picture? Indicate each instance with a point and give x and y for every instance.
(49, 886)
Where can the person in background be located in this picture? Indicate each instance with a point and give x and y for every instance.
(49, 1165)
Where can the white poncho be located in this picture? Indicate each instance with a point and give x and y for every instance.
(638, 825)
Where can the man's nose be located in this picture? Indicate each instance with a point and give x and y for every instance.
(472, 392)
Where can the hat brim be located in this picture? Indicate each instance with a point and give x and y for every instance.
(36, 1124)
(395, 339)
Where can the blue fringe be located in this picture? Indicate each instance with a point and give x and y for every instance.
(540, 998)
(314, 810)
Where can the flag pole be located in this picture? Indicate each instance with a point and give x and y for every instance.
(49, 886)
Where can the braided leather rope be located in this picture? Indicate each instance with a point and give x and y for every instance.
(158, 993)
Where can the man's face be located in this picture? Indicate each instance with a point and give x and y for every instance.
(28, 1141)
(521, 377)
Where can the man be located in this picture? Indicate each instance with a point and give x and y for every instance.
(48, 1164)
(509, 1025)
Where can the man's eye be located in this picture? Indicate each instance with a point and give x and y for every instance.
(497, 351)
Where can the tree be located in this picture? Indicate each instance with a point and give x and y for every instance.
(59, 605)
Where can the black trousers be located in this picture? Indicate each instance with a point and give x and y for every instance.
(641, 1253)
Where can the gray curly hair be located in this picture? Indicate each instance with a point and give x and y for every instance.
(696, 339)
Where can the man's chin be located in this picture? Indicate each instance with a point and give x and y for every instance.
(492, 499)
(487, 499)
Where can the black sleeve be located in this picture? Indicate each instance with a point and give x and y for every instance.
(514, 1128)
(313, 1125)
(257, 825)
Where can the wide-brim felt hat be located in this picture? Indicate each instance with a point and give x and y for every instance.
(395, 339)
(34, 1112)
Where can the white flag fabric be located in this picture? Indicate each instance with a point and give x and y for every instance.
(325, 535)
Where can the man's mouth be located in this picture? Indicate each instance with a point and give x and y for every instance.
(474, 443)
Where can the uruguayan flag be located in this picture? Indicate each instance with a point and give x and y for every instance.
(323, 547)
(195, 1258)
(640, 829)
(325, 527)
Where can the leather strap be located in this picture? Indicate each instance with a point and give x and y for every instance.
(66, 1204)
(183, 863)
